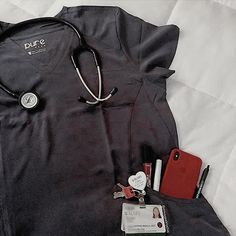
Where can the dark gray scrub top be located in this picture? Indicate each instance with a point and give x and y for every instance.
(59, 165)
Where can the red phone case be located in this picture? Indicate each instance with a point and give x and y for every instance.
(181, 175)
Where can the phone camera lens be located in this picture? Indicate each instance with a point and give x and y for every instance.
(176, 156)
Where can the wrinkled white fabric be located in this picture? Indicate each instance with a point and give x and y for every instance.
(201, 93)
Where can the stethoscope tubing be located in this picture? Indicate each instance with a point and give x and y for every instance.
(82, 47)
(10, 92)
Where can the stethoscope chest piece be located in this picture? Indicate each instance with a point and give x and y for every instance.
(29, 100)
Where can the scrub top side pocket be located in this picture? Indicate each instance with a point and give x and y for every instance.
(187, 217)
(155, 87)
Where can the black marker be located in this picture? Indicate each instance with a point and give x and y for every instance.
(202, 181)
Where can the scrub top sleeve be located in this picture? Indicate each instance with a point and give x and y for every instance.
(145, 44)
(129, 33)
(3, 26)
(158, 46)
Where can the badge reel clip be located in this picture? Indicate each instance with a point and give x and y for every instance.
(140, 218)
(137, 184)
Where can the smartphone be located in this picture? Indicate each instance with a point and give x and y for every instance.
(181, 175)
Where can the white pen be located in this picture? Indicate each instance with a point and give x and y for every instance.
(157, 176)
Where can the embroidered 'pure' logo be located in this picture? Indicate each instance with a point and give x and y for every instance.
(35, 47)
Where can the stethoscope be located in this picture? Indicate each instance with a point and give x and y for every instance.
(30, 99)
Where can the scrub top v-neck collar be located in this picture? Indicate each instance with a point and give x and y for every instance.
(55, 58)
(59, 54)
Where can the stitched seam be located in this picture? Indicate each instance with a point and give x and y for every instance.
(115, 12)
(63, 15)
(140, 41)
(158, 112)
(120, 42)
(130, 128)
(200, 91)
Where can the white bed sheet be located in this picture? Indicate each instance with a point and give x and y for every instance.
(202, 92)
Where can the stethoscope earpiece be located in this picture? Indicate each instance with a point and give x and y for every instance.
(82, 99)
(28, 100)
(114, 91)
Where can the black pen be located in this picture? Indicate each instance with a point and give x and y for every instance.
(202, 181)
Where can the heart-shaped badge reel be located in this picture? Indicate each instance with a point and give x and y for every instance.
(138, 181)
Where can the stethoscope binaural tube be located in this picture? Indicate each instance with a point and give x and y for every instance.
(97, 98)
(26, 98)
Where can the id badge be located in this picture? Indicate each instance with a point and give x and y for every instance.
(147, 220)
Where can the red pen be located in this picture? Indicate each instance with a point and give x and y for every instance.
(147, 169)
(147, 163)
